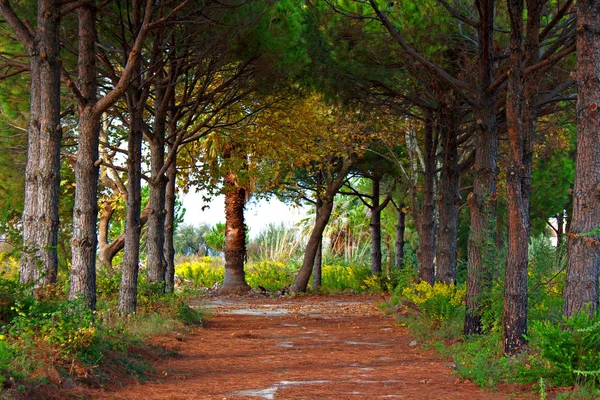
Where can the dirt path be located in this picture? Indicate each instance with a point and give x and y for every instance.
(320, 347)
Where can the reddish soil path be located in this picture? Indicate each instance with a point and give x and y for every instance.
(319, 347)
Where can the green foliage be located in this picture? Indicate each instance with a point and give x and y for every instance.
(572, 349)
(277, 243)
(189, 240)
(215, 239)
(271, 275)
(203, 272)
(439, 303)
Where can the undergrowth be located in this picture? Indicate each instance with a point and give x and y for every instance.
(52, 339)
(561, 352)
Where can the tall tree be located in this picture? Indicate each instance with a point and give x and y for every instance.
(581, 287)
(39, 264)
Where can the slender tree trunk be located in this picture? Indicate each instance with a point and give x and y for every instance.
(156, 204)
(29, 263)
(85, 209)
(400, 229)
(581, 287)
(170, 225)
(104, 256)
(312, 247)
(521, 119)
(449, 200)
(50, 137)
(482, 201)
(131, 257)
(376, 228)
(318, 263)
(515, 279)
(560, 229)
(234, 281)
(318, 268)
(426, 251)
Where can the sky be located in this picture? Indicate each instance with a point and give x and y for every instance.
(258, 214)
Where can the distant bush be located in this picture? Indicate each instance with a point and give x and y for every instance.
(202, 272)
(439, 303)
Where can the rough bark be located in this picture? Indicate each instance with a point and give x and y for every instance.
(482, 201)
(29, 262)
(234, 281)
(50, 137)
(515, 279)
(85, 209)
(156, 204)
(426, 215)
(39, 262)
(376, 227)
(447, 248)
(131, 257)
(399, 245)
(170, 226)
(581, 287)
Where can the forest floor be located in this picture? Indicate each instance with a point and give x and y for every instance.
(307, 347)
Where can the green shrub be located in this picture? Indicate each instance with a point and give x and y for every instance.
(271, 275)
(202, 273)
(438, 303)
(572, 349)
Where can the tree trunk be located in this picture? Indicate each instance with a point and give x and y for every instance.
(426, 220)
(376, 228)
(50, 137)
(156, 204)
(482, 201)
(234, 281)
(515, 278)
(85, 209)
(318, 268)
(29, 263)
(312, 247)
(131, 256)
(581, 287)
(400, 229)
(104, 255)
(449, 200)
(170, 225)
(318, 263)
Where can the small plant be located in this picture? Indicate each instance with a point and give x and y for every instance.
(202, 272)
(439, 302)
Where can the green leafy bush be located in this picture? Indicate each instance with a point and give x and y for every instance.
(438, 303)
(572, 349)
(203, 272)
(271, 275)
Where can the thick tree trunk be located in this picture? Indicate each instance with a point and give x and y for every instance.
(376, 228)
(400, 229)
(29, 263)
(50, 137)
(312, 247)
(170, 225)
(234, 281)
(156, 204)
(515, 279)
(131, 256)
(581, 287)
(482, 201)
(426, 220)
(449, 200)
(85, 209)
